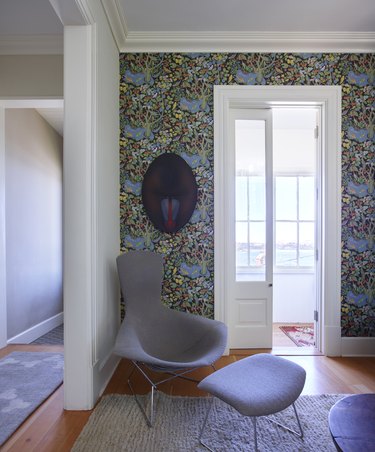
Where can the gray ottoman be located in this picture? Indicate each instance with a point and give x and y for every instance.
(259, 385)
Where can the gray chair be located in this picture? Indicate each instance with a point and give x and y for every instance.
(155, 337)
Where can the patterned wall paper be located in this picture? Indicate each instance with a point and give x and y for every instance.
(166, 103)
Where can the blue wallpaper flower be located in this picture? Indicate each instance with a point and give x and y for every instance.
(166, 104)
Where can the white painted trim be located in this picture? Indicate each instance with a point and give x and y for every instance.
(331, 338)
(31, 44)
(38, 330)
(32, 103)
(222, 41)
(116, 20)
(78, 283)
(85, 11)
(328, 97)
(3, 287)
(73, 12)
(103, 372)
(94, 196)
(358, 346)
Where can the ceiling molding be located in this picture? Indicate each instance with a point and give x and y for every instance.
(31, 44)
(73, 12)
(117, 21)
(139, 41)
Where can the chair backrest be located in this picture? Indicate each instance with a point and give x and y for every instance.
(141, 277)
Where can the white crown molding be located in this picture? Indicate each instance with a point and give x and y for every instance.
(139, 41)
(31, 45)
(72, 12)
(117, 22)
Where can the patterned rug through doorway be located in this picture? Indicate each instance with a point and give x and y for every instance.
(302, 336)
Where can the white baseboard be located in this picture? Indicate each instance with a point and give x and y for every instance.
(358, 346)
(33, 333)
(331, 345)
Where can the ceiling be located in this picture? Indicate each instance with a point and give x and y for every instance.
(33, 27)
(192, 19)
(28, 17)
(249, 15)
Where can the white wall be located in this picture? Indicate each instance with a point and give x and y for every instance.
(33, 206)
(293, 297)
(23, 76)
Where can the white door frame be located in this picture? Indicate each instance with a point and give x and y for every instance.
(329, 99)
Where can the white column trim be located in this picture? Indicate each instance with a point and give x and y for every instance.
(79, 284)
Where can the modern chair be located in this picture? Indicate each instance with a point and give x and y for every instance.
(158, 338)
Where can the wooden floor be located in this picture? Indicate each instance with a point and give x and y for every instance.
(51, 429)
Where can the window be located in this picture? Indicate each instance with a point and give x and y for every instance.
(294, 221)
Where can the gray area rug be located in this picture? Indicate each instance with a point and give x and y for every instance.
(26, 380)
(117, 425)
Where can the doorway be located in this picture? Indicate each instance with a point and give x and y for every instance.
(31, 220)
(296, 217)
(246, 303)
(274, 153)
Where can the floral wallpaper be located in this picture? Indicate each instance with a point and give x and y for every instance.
(166, 105)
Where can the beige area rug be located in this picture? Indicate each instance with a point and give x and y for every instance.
(118, 425)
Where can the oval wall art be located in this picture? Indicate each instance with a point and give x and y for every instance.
(169, 192)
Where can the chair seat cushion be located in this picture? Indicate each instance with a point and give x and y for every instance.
(259, 385)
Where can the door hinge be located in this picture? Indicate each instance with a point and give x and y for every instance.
(316, 316)
(317, 254)
(316, 132)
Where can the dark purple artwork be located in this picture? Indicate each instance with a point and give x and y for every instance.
(169, 192)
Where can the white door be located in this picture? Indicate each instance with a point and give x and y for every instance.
(249, 205)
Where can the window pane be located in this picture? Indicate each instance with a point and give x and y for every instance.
(286, 244)
(306, 198)
(250, 151)
(257, 244)
(306, 258)
(257, 188)
(241, 198)
(286, 198)
(306, 244)
(242, 244)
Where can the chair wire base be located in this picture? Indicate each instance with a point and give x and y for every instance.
(300, 434)
(204, 425)
(150, 419)
(254, 419)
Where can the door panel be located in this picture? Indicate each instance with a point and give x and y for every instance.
(249, 222)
